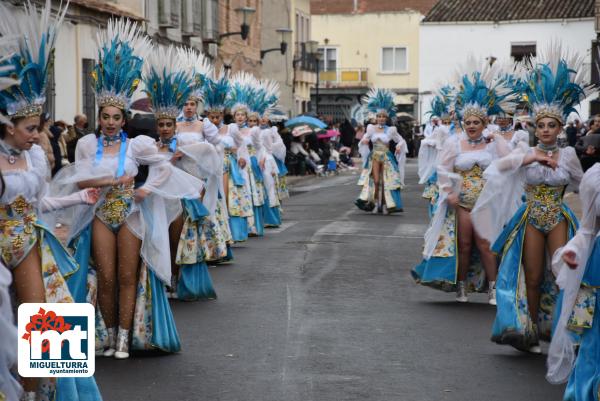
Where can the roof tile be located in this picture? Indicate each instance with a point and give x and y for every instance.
(508, 10)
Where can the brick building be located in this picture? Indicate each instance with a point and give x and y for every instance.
(234, 53)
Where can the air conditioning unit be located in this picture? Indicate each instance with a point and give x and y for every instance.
(210, 20)
(169, 13)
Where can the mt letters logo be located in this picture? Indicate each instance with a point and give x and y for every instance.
(56, 340)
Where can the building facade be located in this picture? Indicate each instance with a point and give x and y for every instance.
(277, 14)
(498, 29)
(233, 53)
(366, 43)
(304, 68)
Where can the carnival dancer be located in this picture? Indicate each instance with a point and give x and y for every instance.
(514, 138)
(40, 266)
(232, 145)
(188, 120)
(263, 103)
(577, 266)
(515, 74)
(124, 239)
(168, 83)
(522, 232)
(241, 94)
(449, 262)
(382, 177)
(431, 146)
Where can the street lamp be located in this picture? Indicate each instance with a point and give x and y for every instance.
(312, 48)
(286, 34)
(245, 14)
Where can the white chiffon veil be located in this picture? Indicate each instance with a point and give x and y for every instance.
(561, 355)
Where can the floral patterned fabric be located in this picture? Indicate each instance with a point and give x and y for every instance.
(513, 324)
(116, 206)
(239, 202)
(391, 182)
(215, 235)
(472, 185)
(20, 233)
(545, 206)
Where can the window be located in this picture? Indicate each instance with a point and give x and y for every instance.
(520, 51)
(394, 59)
(87, 92)
(328, 60)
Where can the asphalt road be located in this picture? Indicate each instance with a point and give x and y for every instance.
(324, 309)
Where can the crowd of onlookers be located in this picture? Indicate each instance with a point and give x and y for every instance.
(59, 139)
(312, 153)
(586, 140)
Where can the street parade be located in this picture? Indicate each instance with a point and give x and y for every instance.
(232, 248)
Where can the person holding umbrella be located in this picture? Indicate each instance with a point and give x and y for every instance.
(383, 171)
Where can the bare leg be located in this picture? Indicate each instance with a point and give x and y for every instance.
(29, 286)
(533, 259)
(129, 262)
(226, 188)
(174, 233)
(487, 257)
(557, 237)
(104, 252)
(464, 232)
(376, 173)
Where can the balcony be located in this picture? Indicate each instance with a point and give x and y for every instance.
(344, 78)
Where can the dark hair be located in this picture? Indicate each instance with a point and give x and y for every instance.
(123, 113)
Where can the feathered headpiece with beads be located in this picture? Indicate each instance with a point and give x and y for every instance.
(556, 84)
(32, 55)
(167, 82)
(442, 102)
(7, 76)
(379, 100)
(265, 95)
(122, 48)
(201, 69)
(483, 92)
(241, 92)
(215, 91)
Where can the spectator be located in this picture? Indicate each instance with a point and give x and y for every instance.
(571, 131)
(56, 140)
(44, 138)
(594, 124)
(74, 133)
(588, 147)
(347, 134)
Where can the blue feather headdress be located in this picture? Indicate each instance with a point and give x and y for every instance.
(32, 54)
(442, 102)
(200, 67)
(167, 82)
(7, 76)
(379, 100)
(241, 92)
(483, 92)
(556, 85)
(515, 75)
(265, 95)
(215, 91)
(122, 48)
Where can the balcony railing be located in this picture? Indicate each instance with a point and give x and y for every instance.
(344, 77)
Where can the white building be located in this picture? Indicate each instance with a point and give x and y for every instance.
(501, 29)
